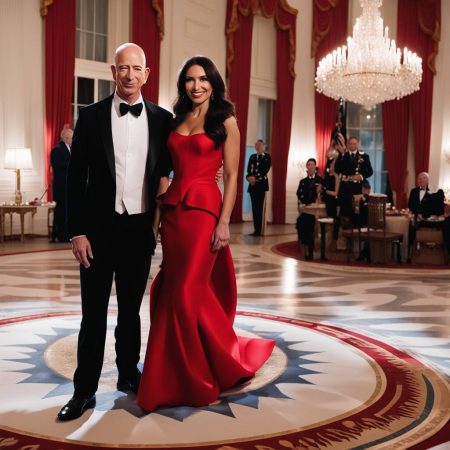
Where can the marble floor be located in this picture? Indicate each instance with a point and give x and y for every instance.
(406, 308)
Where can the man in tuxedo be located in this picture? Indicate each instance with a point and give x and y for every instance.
(257, 169)
(422, 200)
(118, 155)
(354, 167)
(59, 160)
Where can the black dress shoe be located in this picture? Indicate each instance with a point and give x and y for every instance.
(75, 407)
(125, 385)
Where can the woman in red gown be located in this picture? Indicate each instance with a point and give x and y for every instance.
(193, 352)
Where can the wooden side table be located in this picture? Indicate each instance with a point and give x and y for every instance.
(22, 210)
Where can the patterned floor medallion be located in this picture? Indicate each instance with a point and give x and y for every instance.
(362, 358)
(324, 387)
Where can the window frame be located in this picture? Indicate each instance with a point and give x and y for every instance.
(379, 179)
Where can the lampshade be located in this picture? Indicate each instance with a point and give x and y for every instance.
(18, 158)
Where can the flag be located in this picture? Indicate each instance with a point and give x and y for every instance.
(341, 119)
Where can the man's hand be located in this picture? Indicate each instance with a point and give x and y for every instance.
(251, 179)
(81, 248)
(219, 174)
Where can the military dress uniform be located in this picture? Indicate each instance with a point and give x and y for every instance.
(258, 166)
(307, 194)
(348, 165)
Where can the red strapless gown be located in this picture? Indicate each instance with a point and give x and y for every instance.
(193, 352)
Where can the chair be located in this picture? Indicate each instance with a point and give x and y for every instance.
(376, 226)
(375, 230)
(429, 246)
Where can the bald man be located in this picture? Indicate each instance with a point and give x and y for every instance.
(59, 160)
(423, 200)
(118, 155)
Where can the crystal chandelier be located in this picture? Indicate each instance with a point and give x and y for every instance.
(370, 69)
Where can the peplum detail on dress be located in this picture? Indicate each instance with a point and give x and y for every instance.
(200, 195)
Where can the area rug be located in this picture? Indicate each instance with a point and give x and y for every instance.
(293, 250)
(324, 387)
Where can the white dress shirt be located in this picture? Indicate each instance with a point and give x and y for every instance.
(130, 139)
(422, 193)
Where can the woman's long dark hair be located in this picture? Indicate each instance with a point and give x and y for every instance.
(220, 108)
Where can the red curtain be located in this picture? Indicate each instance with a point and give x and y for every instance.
(239, 36)
(282, 113)
(147, 32)
(59, 72)
(395, 135)
(239, 27)
(419, 30)
(329, 31)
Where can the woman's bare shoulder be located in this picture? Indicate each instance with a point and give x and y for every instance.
(230, 122)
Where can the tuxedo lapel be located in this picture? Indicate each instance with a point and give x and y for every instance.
(106, 134)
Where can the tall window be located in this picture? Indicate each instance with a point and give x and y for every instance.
(92, 30)
(92, 80)
(368, 127)
(89, 90)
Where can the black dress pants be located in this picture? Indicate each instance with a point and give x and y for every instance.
(122, 252)
(59, 229)
(305, 228)
(257, 199)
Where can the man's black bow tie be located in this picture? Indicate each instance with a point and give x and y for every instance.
(134, 109)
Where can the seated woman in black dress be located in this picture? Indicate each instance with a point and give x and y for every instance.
(331, 182)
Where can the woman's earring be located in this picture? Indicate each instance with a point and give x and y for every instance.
(212, 96)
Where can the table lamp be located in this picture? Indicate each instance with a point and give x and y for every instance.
(18, 159)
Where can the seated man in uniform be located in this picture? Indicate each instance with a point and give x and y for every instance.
(307, 192)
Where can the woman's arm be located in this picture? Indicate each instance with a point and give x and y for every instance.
(337, 183)
(231, 153)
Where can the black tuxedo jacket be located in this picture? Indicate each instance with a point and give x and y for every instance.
(432, 203)
(91, 180)
(59, 160)
(259, 170)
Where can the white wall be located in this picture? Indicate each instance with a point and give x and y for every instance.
(192, 27)
(440, 129)
(22, 95)
(303, 139)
